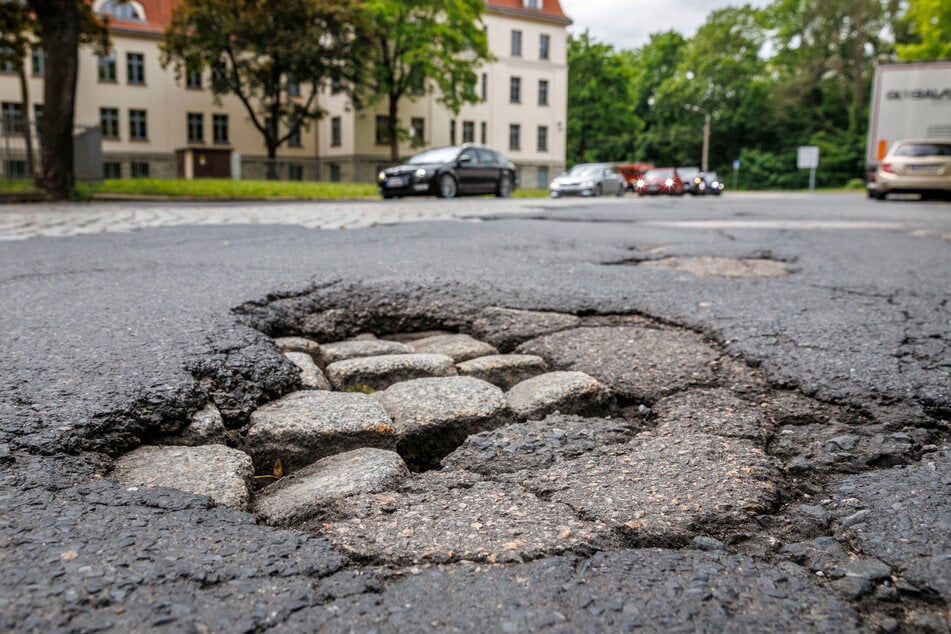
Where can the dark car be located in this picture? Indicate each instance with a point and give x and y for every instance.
(451, 171)
(660, 180)
(691, 178)
(711, 184)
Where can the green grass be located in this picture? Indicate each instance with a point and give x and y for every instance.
(16, 185)
(226, 189)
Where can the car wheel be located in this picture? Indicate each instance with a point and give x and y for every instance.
(504, 188)
(447, 186)
(555, 194)
(597, 190)
(880, 195)
(620, 190)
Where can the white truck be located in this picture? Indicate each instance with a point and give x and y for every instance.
(909, 101)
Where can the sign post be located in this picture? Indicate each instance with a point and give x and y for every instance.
(736, 171)
(808, 158)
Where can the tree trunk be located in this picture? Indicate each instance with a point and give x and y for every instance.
(392, 125)
(60, 21)
(271, 171)
(27, 128)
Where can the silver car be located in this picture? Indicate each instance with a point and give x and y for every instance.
(589, 179)
(915, 167)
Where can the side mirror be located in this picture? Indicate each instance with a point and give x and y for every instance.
(465, 158)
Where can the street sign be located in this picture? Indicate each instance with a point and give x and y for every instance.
(807, 157)
(736, 164)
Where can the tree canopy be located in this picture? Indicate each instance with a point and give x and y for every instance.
(275, 57)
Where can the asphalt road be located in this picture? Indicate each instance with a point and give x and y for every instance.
(114, 313)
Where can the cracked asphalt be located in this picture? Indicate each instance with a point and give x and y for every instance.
(122, 319)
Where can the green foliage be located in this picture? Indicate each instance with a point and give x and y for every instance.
(257, 50)
(226, 189)
(928, 24)
(420, 46)
(602, 124)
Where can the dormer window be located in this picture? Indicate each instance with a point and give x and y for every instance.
(532, 4)
(130, 10)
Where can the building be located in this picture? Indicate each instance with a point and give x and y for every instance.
(154, 124)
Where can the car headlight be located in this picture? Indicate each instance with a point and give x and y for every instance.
(715, 184)
(420, 173)
(381, 176)
(640, 182)
(587, 184)
(669, 182)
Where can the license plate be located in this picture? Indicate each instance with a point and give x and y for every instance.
(395, 181)
(924, 169)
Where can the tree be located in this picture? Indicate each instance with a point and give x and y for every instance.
(261, 51)
(420, 46)
(929, 22)
(62, 26)
(15, 39)
(602, 124)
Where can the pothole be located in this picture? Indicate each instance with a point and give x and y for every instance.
(532, 434)
(712, 266)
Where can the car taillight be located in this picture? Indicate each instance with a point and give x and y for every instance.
(887, 167)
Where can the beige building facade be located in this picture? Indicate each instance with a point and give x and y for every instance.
(156, 125)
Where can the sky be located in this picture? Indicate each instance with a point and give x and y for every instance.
(628, 24)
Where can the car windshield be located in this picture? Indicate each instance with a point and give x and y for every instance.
(712, 176)
(436, 155)
(585, 170)
(923, 149)
(659, 173)
(688, 172)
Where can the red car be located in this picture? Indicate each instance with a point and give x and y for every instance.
(660, 180)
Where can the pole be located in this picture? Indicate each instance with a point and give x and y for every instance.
(706, 143)
(812, 179)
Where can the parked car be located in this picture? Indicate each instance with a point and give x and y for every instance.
(691, 178)
(660, 180)
(632, 172)
(710, 183)
(915, 167)
(588, 179)
(451, 171)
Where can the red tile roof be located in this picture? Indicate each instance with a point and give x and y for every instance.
(550, 10)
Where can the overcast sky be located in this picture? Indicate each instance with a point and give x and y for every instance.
(629, 23)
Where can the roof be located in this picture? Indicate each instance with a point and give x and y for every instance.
(550, 10)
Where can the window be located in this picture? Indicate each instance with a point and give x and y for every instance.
(516, 43)
(336, 87)
(544, 44)
(196, 127)
(515, 90)
(542, 92)
(293, 88)
(12, 118)
(37, 61)
(14, 168)
(485, 86)
(294, 139)
(382, 130)
(483, 132)
(417, 130)
(336, 132)
(123, 10)
(543, 138)
(532, 4)
(6, 64)
(219, 128)
(193, 80)
(295, 172)
(140, 169)
(38, 118)
(334, 172)
(112, 169)
(135, 67)
(515, 133)
(219, 72)
(138, 126)
(541, 181)
(109, 122)
(452, 132)
(468, 131)
(107, 68)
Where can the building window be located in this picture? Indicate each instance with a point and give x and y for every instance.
(12, 118)
(485, 86)
(542, 179)
(542, 92)
(382, 129)
(483, 132)
(544, 44)
(336, 87)
(468, 131)
(417, 130)
(219, 72)
(138, 126)
(336, 132)
(219, 128)
(193, 80)
(334, 172)
(37, 61)
(38, 118)
(140, 169)
(14, 168)
(135, 67)
(295, 172)
(516, 43)
(515, 90)
(294, 139)
(452, 132)
(112, 169)
(515, 134)
(123, 10)
(532, 4)
(107, 68)
(6, 63)
(196, 127)
(109, 123)
(543, 138)
(293, 88)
